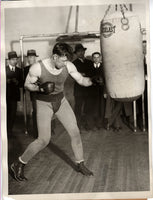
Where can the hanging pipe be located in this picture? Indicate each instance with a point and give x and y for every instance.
(76, 18)
(68, 20)
(23, 91)
(55, 35)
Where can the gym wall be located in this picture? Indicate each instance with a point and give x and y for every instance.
(49, 20)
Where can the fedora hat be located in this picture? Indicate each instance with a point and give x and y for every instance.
(12, 54)
(32, 52)
(78, 47)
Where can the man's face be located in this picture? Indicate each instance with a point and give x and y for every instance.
(80, 53)
(31, 60)
(60, 61)
(97, 58)
(13, 61)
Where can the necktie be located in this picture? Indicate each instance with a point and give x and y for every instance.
(96, 65)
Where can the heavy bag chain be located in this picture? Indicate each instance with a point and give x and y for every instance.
(106, 12)
(124, 20)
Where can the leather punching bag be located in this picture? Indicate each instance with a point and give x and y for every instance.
(121, 46)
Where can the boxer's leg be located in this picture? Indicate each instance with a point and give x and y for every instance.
(66, 115)
(44, 115)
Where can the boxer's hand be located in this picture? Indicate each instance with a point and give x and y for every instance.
(38, 82)
(47, 88)
(97, 80)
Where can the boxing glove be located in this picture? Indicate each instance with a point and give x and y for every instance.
(47, 87)
(97, 80)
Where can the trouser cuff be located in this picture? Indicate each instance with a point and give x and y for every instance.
(22, 161)
(79, 161)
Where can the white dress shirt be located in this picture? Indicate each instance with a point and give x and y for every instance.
(96, 65)
(12, 68)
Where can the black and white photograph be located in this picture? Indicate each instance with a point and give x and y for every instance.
(76, 99)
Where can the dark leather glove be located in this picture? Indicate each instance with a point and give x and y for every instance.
(97, 80)
(47, 87)
(84, 170)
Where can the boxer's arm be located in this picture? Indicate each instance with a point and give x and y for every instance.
(84, 81)
(32, 77)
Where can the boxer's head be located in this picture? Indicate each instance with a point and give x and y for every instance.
(62, 52)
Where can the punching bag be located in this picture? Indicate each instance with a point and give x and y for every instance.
(121, 46)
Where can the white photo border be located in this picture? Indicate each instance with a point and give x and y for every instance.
(108, 195)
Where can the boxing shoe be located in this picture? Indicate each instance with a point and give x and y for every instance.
(18, 171)
(83, 169)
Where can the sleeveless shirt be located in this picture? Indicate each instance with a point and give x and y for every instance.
(58, 79)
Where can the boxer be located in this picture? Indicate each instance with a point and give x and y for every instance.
(51, 73)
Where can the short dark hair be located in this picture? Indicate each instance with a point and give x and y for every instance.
(63, 49)
(96, 53)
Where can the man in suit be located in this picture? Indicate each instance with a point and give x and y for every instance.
(81, 95)
(139, 101)
(31, 59)
(146, 82)
(13, 85)
(94, 107)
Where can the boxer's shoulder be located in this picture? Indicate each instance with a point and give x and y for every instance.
(70, 67)
(35, 69)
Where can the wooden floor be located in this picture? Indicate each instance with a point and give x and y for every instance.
(119, 162)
